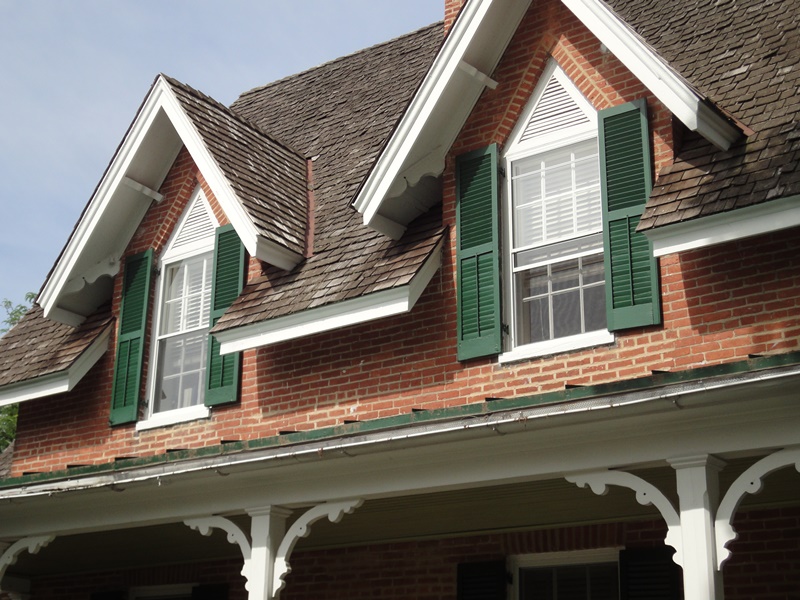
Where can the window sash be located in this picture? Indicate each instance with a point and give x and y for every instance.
(182, 344)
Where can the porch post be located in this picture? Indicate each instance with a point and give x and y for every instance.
(698, 492)
(267, 528)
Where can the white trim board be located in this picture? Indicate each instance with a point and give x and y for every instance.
(479, 38)
(726, 227)
(57, 383)
(150, 147)
(377, 305)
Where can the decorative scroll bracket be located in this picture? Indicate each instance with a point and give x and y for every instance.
(235, 536)
(31, 544)
(749, 482)
(646, 494)
(335, 511)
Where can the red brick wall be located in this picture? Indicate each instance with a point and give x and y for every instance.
(720, 304)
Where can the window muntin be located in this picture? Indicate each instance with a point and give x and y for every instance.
(599, 581)
(183, 336)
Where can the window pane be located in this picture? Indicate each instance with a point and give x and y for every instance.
(184, 334)
(572, 583)
(578, 582)
(567, 314)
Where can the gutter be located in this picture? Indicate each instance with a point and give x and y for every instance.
(658, 398)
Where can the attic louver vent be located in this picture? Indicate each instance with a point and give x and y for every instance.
(196, 226)
(556, 109)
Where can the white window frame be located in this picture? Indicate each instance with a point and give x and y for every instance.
(558, 559)
(517, 150)
(169, 257)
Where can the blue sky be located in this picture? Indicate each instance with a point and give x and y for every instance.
(74, 73)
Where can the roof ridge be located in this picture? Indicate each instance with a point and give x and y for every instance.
(232, 113)
(328, 63)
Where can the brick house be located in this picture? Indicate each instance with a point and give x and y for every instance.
(507, 307)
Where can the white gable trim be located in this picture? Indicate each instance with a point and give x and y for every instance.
(125, 193)
(725, 227)
(671, 89)
(60, 382)
(395, 168)
(378, 305)
(478, 38)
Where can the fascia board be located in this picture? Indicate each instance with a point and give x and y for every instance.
(725, 227)
(97, 206)
(377, 305)
(433, 86)
(57, 383)
(684, 102)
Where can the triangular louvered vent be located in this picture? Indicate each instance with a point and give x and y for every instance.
(196, 225)
(555, 110)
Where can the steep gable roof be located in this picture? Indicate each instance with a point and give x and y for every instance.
(460, 71)
(259, 182)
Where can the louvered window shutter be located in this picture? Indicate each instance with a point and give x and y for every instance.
(222, 373)
(131, 338)
(477, 254)
(482, 581)
(649, 574)
(632, 293)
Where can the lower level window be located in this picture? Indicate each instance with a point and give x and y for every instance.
(570, 582)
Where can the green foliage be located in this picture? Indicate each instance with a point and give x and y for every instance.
(14, 312)
(8, 414)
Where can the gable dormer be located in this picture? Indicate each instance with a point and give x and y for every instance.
(259, 182)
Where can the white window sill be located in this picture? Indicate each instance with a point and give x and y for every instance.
(173, 417)
(566, 344)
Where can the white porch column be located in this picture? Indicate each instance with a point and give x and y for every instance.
(698, 492)
(267, 528)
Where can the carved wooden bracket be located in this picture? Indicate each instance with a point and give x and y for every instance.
(235, 536)
(335, 511)
(646, 494)
(31, 544)
(263, 548)
(749, 482)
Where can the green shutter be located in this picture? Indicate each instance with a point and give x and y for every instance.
(222, 372)
(632, 293)
(481, 581)
(649, 574)
(131, 338)
(477, 254)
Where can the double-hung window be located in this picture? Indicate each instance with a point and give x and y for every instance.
(553, 212)
(198, 275)
(183, 300)
(548, 256)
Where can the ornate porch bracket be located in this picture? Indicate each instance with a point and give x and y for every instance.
(235, 535)
(646, 494)
(31, 544)
(335, 511)
(749, 482)
(267, 550)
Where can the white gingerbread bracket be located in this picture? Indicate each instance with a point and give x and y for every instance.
(646, 494)
(235, 536)
(31, 544)
(267, 550)
(749, 482)
(335, 511)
